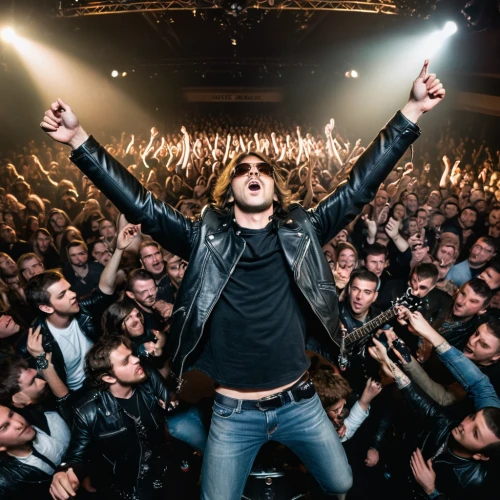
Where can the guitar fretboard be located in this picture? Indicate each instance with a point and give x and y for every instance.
(363, 331)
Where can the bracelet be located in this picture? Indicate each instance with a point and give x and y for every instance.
(41, 362)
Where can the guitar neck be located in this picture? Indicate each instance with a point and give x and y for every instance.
(366, 329)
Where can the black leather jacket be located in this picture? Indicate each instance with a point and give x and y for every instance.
(456, 477)
(213, 248)
(101, 430)
(90, 310)
(19, 481)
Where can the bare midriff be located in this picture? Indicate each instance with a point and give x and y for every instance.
(252, 393)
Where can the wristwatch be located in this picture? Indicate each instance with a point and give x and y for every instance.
(41, 362)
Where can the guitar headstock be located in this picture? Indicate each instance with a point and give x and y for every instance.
(408, 300)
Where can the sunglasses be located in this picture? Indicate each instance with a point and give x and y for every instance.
(245, 168)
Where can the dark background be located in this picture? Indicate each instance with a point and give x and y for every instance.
(304, 53)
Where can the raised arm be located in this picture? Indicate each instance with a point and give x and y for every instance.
(339, 209)
(167, 226)
(470, 377)
(107, 282)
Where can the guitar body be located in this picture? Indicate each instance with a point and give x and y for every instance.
(354, 359)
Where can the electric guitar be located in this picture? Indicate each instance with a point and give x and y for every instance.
(356, 340)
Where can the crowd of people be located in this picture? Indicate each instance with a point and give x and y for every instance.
(88, 401)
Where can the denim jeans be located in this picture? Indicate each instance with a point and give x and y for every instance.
(471, 378)
(188, 426)
(237, 434)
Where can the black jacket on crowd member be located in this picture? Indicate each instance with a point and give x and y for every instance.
(213, 248)
(361, 365)
(52, 259)
(91, 309)
(83, 286)
(457, 478)
(166, 291)
(15, 250)
(434, 306)
(21, 481)
(104, 432)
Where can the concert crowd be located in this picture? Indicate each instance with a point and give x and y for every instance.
(410, 383)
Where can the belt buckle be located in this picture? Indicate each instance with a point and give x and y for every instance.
(263, 401)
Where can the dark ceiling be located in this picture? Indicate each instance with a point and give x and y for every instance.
(316, 38)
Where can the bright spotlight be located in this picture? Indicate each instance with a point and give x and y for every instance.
(352, 74)
(9, 35)
(437, 39)
(124, 74)
(450, 28)
(114, 73)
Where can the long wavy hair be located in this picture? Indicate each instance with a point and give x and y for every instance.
(223, 192)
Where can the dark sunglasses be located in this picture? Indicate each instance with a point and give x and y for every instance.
(244, 169)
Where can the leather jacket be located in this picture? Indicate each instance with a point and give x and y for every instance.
(213, 248)
(19, 480)
(103, 431)
(91, 308)
(456, 477)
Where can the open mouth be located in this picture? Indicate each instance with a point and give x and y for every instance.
(468, 350)
(254, 186)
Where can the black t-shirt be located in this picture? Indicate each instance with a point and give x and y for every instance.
(84, 286)
(257, 330)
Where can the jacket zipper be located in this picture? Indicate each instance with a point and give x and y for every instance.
(299, 264)
(189, 311)
(213, 305)
(112, 433)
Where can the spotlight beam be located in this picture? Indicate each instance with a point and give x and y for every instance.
(9, 35)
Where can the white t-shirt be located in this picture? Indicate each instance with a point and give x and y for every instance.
(53, 447)
(74, 345)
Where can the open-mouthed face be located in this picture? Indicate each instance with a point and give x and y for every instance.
(254, 191)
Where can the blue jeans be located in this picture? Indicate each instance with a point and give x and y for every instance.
(188, 426)
(236, 436)
(471, 378)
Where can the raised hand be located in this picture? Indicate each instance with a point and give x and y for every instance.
(34, 343)
(61, 124)
(427, 90)
(126, 236)
(392, 228)
(423, 472)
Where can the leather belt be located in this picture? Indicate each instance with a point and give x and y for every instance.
(303, 389)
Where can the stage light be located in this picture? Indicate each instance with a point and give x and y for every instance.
(450, 28)
(124, 74)
(352, 74)
(9, 35)
(437, 39)
(114, 73)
